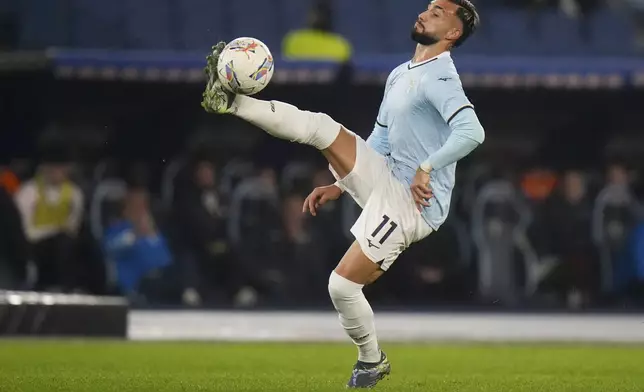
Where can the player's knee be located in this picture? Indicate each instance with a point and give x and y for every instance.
(323, 131)
(374, 277)
(341, 288)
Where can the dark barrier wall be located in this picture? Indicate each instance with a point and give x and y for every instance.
(155, 120)
(48, 314)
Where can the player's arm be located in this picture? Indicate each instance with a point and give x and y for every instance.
(467, 134)
(447, 96)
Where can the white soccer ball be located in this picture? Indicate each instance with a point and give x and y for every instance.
(245, 66)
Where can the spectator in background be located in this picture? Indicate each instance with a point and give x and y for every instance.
(615, 215)
(13, 245)
(568, 221)
(137, 249)
(583, 10)
(576, 9)
(579, 8)
(538, 183)
(328, 223)
(301, 259)
(51, 207)
(629, 271)
(317, 42)
(8, 180)
(254, 230)
(431, 272)
(636, 11)
(618, 175)
(201, 222)
(14, 248)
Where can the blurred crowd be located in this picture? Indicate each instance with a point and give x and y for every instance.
(584, 9)
(233, 234)
(330, 24)
(319, 41)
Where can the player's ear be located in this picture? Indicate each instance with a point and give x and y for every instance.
(454, 34)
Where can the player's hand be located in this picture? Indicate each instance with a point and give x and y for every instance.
(420, 190)
(319, 197)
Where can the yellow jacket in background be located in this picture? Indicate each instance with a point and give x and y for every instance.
(310, 44)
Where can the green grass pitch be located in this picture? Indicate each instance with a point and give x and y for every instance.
(101, 366)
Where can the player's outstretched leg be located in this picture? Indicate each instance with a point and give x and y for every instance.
(356, 316)
(278, 119)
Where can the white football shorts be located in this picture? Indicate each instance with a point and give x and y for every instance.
(389, 221)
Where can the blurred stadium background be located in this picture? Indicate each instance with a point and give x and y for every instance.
(100, 116)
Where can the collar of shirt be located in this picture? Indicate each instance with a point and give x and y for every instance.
(444, 54)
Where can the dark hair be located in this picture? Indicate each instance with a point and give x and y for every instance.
(469, 16)
(136, 187)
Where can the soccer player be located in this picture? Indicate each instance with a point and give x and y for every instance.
(402, 176)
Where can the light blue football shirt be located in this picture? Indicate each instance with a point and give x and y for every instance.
(425, 116)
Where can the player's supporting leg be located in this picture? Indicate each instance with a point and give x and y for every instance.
(346, 282)
(356, 316)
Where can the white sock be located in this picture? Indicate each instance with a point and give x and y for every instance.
(356, 316)
(285, 121)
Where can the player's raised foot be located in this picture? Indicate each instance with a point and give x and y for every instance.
(367, 375)
(215, 98)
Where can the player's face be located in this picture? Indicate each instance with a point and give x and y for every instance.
(439, 22)
(136, 204)
(55, 173)
(205, 175)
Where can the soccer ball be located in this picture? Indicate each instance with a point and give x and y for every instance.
(245, 66)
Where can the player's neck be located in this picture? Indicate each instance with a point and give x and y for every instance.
(426, 52)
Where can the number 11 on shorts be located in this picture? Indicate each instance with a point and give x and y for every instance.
(392, 227)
